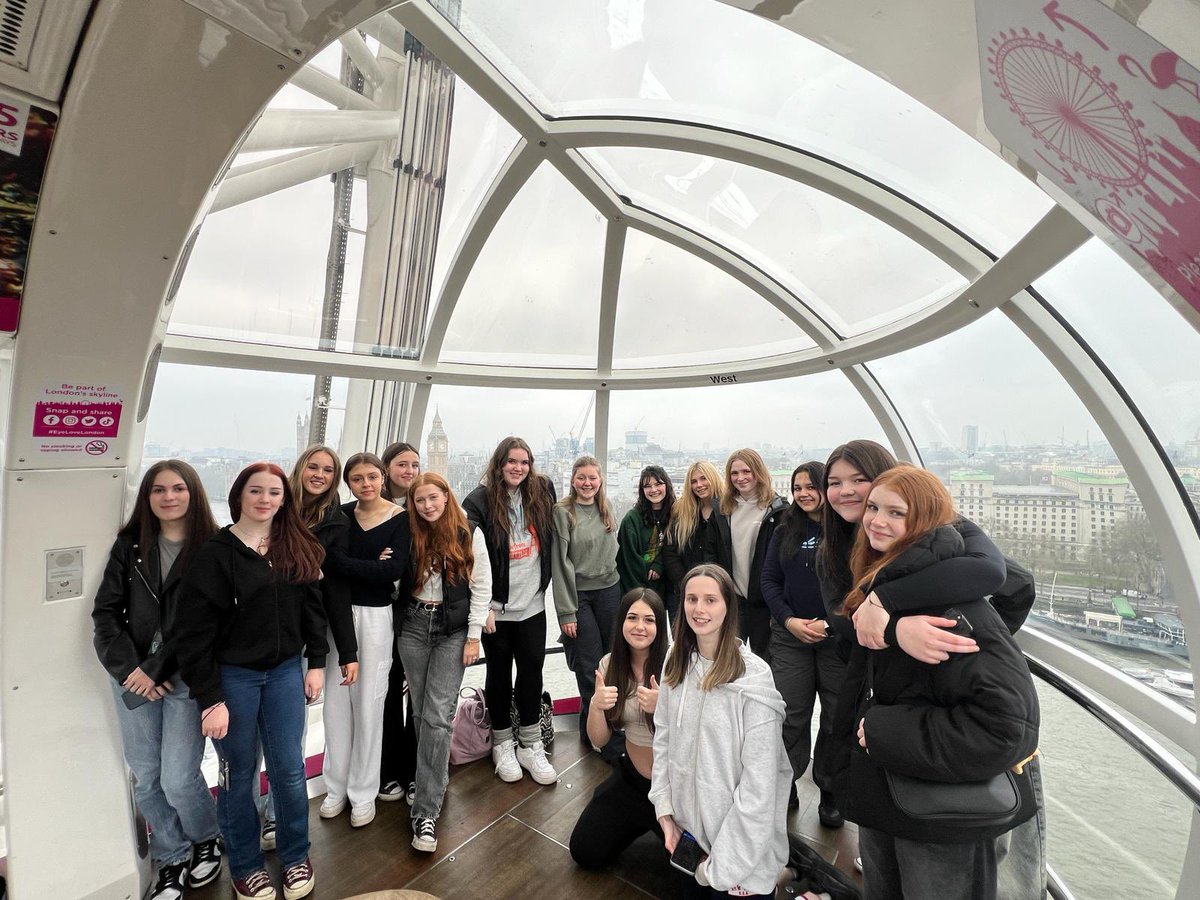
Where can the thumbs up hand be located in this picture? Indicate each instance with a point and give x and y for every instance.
(605, 697)
(648, 696)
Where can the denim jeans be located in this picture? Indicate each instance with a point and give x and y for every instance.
(434, 667)
(163, 749)
(270, 704)
(595, 620)
(896, 867)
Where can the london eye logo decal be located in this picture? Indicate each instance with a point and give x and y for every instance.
(1105, 112)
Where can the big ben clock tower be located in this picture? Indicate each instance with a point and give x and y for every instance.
(437, 448)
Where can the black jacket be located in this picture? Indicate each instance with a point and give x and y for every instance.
(333, 531)
(977, 572)
(129, 612)
(233, 610)
(456, 598)
(706, 545)
(766, 528)
(479, 514)
(964, 720)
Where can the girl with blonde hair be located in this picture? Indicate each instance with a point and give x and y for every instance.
(697, 532)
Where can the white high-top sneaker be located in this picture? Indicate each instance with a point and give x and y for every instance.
(504, 756)
(533, 759)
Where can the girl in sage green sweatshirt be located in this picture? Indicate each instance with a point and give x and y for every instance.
(587, 588)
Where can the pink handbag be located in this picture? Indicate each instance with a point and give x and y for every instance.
(471, 728)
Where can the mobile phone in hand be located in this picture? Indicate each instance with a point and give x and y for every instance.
(133, 701)
(688, 855)
(962, 625)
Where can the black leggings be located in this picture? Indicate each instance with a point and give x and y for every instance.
(618, 814)
(525, 642)
(398, 756)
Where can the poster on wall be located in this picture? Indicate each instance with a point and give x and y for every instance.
(1105, 112)
(77, 418)
(26, 131)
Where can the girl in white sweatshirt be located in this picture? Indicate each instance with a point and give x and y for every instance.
(720, 770)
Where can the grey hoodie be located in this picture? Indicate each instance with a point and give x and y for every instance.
(720, 769)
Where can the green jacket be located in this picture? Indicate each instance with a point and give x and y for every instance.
(640, 553)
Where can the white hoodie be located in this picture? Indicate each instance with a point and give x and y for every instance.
(721, 770)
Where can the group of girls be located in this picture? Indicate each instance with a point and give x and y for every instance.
(843, 591)
(857, 574)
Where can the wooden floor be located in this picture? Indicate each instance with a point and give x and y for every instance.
(498, 840)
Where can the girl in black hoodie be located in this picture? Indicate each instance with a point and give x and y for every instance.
(250, 606)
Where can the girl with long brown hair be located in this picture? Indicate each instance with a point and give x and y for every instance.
(250, 605)
(966, 720)
(587, 586)
(513, 507)
(624, 700)
(134, 612)
(720, 771)
(446, 590)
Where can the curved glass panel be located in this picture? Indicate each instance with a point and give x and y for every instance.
(1025, 460)
(1105, 802)
(850, 268)
(789, 421)
(257, 272)
(706, 62)
(268, 421)
(480, 141)
(674, 309)
(1146, 344)
(533, 296)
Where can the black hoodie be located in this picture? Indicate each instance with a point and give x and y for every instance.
(233, 610)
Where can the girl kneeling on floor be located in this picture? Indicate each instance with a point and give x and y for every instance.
(448, 589)
(626, 695)
(720, 773)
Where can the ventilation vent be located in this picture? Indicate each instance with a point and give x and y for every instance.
(18, 24)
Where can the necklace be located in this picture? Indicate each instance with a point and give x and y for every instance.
(264, 542)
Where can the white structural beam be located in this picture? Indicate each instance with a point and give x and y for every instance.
(600, 426)
(796, 165)
(416, 412)
(885, 411)
(329, 89)
(520, 165)
(362, 57)
(289, 172)
(610, 286)
(288, 129)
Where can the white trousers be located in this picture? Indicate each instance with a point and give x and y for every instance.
(354, 715)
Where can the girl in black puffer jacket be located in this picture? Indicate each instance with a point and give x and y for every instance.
(966, 720)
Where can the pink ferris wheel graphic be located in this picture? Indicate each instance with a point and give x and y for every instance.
(1070, 108)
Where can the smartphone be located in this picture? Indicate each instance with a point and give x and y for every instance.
(133, 701)
(962, 625)
(688, 855)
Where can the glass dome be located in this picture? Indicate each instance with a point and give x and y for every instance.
(660, 231)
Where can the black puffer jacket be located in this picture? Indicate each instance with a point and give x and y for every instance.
(129, 612)
(479, 513)
(963, 720)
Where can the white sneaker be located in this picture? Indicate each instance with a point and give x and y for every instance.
(534, 760)
(504, 756)
(362, 815)
(331, 807)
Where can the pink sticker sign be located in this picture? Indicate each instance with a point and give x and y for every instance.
(75, 418)
(1106, 113)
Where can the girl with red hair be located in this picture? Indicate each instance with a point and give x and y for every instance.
(250, 607)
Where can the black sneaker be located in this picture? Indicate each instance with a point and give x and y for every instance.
(171, 881)
(206, 863)
(424, 835)
(410, 796)
(266, 837)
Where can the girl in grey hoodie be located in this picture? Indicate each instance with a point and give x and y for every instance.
(720, 770)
